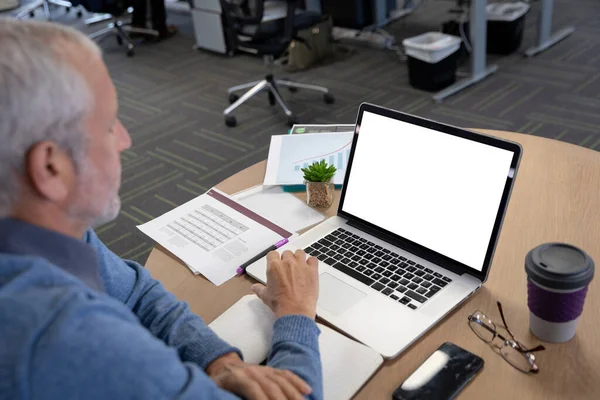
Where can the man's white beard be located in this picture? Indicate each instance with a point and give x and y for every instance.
(110, 212)
(88, 207)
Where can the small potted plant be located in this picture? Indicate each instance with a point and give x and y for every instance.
(319, 187)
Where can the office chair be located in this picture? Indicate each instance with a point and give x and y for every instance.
(118, 10)
(246, 31)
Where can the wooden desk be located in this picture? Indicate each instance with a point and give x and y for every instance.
(556, 198)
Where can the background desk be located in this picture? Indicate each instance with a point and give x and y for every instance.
(556, 198)
(478, 22)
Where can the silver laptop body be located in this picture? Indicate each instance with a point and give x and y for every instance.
(419, 217)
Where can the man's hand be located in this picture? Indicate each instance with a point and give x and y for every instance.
(292, 284)
(220, 364)
(255, 382)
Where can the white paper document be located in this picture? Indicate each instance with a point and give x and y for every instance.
(288, 154)
(214, 235)
(282, 208)
(347, 364)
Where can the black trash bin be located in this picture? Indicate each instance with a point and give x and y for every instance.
(432, 60)
(505, 26)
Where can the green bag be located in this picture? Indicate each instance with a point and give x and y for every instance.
(313, 45)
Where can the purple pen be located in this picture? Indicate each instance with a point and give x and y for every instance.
(242, 269)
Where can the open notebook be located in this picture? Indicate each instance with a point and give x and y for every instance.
(347, 364)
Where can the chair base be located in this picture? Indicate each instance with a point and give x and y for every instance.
(121, 31)
(272, 85)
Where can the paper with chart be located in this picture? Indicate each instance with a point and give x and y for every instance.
(304, 129)
(347, 365)
(214, 234)
(288, 154)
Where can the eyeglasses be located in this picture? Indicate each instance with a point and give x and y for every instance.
(511, 350)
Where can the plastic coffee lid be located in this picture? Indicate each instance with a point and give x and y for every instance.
(559, 266)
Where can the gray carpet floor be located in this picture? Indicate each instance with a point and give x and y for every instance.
(172, 97)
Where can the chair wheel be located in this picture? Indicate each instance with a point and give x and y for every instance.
(130, 51)
(293, 89)
(230, 121)
(119, 40)
(233, 98)
(271, 99)
(328, 98)
(292, 121)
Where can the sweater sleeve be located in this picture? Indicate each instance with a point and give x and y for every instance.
(93, 351)
(295, 340)
(158, 310)
(295, 347)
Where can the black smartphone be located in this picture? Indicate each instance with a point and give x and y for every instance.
(442, 375)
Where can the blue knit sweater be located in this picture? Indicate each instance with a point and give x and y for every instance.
(78, 322)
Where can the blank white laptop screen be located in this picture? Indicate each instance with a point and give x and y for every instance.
(434, 189)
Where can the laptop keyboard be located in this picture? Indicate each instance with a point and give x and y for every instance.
(395, 276)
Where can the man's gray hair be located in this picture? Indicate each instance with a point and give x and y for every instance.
(42, 96)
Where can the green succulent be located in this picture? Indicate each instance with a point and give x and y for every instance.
(319, 171)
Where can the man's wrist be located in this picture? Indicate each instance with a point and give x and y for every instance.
(219, 365)
(289, 310)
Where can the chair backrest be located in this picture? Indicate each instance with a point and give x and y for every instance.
(240, 14)
(112, 7)
(245, 12)
(289, 28)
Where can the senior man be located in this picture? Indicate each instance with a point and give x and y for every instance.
(76, 321)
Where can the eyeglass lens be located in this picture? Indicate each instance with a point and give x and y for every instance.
(482, 326)
(515, 358)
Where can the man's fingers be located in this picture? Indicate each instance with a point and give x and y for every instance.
(260, 290)
(249, 389)
(313, 262)
(287, 254)
(269, 386)
(291, 392)
(263, 383)
(294, 380)
(300, 255)
(260, 375)
(273, 256)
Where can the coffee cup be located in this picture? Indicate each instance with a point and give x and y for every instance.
(558, 276)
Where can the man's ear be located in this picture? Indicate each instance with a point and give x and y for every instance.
(50, 171)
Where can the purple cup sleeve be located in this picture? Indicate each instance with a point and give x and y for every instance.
(553, 306)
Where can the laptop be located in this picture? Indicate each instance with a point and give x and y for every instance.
(419, 217)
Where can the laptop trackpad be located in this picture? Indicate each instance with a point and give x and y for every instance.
(337, 296)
